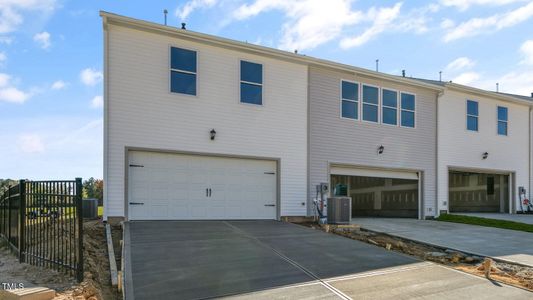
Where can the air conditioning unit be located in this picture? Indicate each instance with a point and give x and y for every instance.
(339, 210)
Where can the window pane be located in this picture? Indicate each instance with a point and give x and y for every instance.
(251, 72)
(472, 107)
(182, 83)
(390, 116)
(251, 94)
(390, 98)
(350, 90)
(408, 101)
(370, 113)
(502, 113)
(408, 119)
(502, 128)
(370, 94)
(471, 123)
(182, 59)
(349, 109)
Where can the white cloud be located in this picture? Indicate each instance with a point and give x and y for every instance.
(91, 77)
(58, 85)
(11, 12)
(31, 143)
(97, 102)
(309, 23)
(184, 11)
(460, 64)
(447, 23)
(466, 78)
(382, 18)
(9, 93)
(43, 39)
(527, 52)
(465, 4)
(490, 24)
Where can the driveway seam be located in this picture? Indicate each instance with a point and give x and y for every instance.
(334, 290)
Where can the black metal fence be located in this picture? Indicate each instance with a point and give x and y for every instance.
(42, 222)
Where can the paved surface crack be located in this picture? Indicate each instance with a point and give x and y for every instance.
(309, 273)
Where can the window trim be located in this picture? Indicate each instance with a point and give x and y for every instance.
(498, 121)
(262, 85)
(400, 109)
(358, 102)
(397, 108)
(468, 115)
(170, 69)
(377, 105)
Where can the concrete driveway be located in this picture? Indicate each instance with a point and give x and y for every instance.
(275, 260)
(508, 245)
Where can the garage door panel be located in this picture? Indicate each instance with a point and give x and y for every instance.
(177, 187)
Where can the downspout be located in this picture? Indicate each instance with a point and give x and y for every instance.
(529, 157)
(436, 213)
(106, 123)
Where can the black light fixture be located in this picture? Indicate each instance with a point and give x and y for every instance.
(213, 133)
(381, 149)
(485, 155)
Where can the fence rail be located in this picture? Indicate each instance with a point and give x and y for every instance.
(42, 222)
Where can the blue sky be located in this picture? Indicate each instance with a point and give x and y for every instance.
(51, 57)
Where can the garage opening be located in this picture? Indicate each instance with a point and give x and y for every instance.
(478, 192)
(378, 193)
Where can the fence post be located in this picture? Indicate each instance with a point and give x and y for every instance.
(22, 220)
(8, 207)
(79, 208)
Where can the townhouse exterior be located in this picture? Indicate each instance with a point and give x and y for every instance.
(201, 127)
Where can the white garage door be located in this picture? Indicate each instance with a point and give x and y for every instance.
(191, 187)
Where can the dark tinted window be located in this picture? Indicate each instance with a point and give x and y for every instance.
(349, 109)
(182, 83)
(471, 123)
(182, 59)
(408, 101)
(370, 112)
(251, 72)
(408, 118)
(472, 108)
(390, 98)
(502, 113)
(350, 90)
(502, 128)
(251, 93)
(370, 94)
(390, 116)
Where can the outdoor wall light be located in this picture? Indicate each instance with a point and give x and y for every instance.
(381, 149)
(485, 155)
(213, 133)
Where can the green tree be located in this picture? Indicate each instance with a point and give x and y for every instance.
(94, 188)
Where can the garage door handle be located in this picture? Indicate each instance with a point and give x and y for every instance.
(136, 166)
(270, 205)
(136, 203)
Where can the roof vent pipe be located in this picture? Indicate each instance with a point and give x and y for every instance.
(403, 73)
(497, 87)
(165, 12)
(440, 75)
(531, 95)
(183, 26)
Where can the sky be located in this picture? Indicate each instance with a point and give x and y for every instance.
(51, 53)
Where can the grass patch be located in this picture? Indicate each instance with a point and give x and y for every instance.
(100, 211)
(486, 222)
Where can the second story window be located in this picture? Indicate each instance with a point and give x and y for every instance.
(370, 103)
(389, 104)
(350, 100)
(407, 115)
(182, 71)
(472, 115)
(502, 120)
(251, 83)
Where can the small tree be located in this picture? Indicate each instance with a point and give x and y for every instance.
(94, 188)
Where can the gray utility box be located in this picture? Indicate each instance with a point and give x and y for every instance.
(339, 210)
(90, 208)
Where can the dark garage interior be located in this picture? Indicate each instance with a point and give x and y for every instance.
(478, 192)
(378, 197)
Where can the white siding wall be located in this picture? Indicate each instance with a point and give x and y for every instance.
(143, 113)
(351, 142)
(459, 147)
